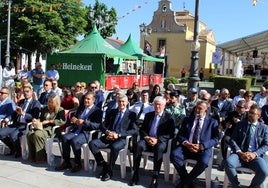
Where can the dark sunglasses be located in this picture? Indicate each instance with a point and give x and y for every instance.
(3, 92)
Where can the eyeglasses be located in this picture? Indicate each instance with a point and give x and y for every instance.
(93, 87)
(238, 106)
(79, 86)
(46, 85)
(2, 93)
(204, 99)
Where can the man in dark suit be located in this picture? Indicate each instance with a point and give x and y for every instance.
(88, 117)
(249, 142)
(196, 137)
(119, 124)
(27, 109)
(228, 125)
(157, 128)
(47, 92)
(223, 104)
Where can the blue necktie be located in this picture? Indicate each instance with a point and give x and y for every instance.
(118, 118)
(153, 130)
(82, 116)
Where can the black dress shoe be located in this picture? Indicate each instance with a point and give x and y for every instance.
(106, 177)
(12, 152)
(18, 154)
(76, 168)
(63, 166)
(134, 180)
(154, 183)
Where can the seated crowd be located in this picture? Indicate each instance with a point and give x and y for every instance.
(196, 123)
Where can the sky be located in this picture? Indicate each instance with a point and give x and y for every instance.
(229, 19)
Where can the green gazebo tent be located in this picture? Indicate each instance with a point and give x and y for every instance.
(86, 60)
(131, 47)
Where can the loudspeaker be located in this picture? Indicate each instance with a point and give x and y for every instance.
(255, 53)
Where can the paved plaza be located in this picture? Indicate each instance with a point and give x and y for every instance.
(17, 173)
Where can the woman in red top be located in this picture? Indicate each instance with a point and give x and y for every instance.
(70, 103)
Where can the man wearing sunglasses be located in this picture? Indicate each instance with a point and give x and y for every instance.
(239, 114)
(7, 106)
(27, 109)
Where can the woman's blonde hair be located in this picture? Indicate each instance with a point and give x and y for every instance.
(56, 101)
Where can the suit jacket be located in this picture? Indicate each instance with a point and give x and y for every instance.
(239, 136)
(226, 107)
(165, 129)
(230, 119)
(264, 113)
(44, 97)
(209, 136)
(32, 111)
(93, 118)
(7, 108)
(127, 124)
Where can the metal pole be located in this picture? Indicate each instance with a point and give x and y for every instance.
(8, 34)
(194, 78)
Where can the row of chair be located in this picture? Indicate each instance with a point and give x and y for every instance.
(124, 153)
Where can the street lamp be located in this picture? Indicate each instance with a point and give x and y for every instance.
(195, 47)
(8, 33)
(99, 21)
(145, 31)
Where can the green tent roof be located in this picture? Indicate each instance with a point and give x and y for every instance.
(132, 48)
(95, 44)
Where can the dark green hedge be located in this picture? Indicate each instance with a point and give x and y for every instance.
(233, 84)
(169, 80)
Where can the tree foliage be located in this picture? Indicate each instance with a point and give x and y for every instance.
(45, 25)
(101, 11)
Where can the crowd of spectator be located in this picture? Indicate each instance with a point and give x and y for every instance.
(196, 122)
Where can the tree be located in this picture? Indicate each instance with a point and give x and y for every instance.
(45, 25)
(100, 12)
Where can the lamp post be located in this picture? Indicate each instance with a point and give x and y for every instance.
(195, 47)
(145, 31)
(7, 55)
(99, 21)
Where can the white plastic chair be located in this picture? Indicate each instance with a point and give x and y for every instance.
(49, 145)
(86, 150)
(123, 157)
(245, 170)
(23, 142)
(166, 159)
(207, 170)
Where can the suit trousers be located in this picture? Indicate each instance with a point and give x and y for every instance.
(158, 151)
(36, 140)
(180, 154)
(10, 135)
(101, 143)
(258, 165)
(75, 141)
